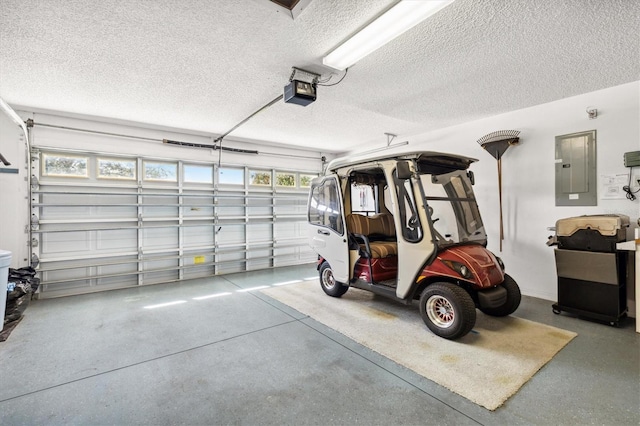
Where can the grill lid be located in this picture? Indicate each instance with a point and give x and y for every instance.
(605, 224)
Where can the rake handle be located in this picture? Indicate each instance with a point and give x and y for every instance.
(500, 198)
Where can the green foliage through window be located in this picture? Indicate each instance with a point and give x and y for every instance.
(285, 179)
(305, 180)
(260, 178)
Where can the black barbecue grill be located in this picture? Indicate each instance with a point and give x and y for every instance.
(592, 274)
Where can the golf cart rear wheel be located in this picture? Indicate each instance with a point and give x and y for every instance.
(328, 282)
(447, 310)
(513, 299)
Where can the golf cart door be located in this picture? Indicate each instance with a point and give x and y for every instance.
(327, 231)
(415, 245)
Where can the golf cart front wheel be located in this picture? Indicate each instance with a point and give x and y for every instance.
(447, 310)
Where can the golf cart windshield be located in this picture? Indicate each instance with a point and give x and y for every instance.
(452, 208)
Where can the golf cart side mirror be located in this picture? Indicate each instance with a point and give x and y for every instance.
(403, 170)
(471, 177)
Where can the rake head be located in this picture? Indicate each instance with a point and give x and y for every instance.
(496, 143)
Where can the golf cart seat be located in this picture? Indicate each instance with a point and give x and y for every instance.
(375, 234)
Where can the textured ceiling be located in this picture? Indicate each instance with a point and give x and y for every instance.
(206, 65)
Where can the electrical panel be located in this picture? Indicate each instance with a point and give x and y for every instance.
(632, 159)
(576, 169)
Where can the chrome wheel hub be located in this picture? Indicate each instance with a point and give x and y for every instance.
(327, 279)
(440, 311)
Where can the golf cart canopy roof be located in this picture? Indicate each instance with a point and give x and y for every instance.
(425, 159)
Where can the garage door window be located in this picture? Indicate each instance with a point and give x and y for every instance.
(286, 179)
(305, 180)
(231, 176)
(198, 174)
(63, 165)
(259, 177)
(161, 171)
(110, 168)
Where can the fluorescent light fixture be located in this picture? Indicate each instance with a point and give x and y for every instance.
(287, 283)
(394, 22)
(210, 296)
(162, 305)
(244, 290)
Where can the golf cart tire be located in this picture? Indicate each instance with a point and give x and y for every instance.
(447, 310)
(328, 282)
(513, 299)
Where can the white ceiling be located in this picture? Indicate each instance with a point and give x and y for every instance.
(205, 65)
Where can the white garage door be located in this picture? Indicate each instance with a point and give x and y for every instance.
(103, 221)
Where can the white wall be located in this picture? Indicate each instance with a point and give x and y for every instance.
(529, 173)
(14, 204)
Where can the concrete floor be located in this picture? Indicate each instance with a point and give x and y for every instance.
(243, 358)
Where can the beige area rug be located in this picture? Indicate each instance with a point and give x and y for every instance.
(486, 366)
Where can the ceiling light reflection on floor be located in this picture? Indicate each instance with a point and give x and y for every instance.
(212, 296)
(252, 288)
(162, 305)
(310, 278)
(287, 282)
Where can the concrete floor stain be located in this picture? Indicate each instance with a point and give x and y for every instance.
(380, 314)
(449, 359)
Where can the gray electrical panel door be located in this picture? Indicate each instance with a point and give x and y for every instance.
(576, 169)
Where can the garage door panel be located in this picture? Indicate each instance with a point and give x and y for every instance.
(67, 275)
(226, 211)
(198, 236)
(117, 240)
(160, 277)
(259, 232)
(65, 212)
(159, 238)
(117, 269)
(65, 242)
(198, 271)
(119, 281)
(231, 234)
(114, 212)
(159, 211)
(53, 289)
(285, 230)
(198, 211)
(259, 259)
(159, 261)
(286, 257)
(231, 267)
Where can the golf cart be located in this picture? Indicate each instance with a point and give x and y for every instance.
(407, 226)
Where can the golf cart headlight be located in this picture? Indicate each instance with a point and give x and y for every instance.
(464, 271)
(459, 268)
(500, 263)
